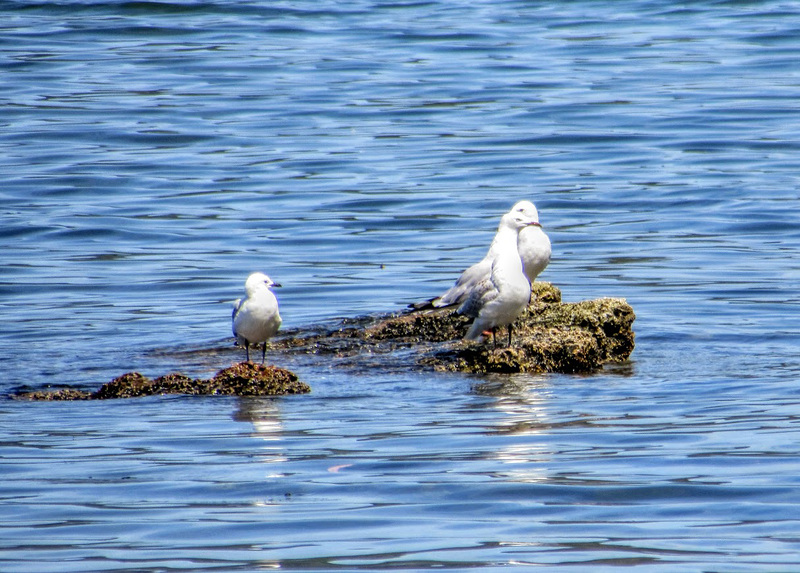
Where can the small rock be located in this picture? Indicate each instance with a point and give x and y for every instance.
(251, 379)
(243, 379)
(54, 395)
(128, 385)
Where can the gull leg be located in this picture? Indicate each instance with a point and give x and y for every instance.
(510, 328)
(263, 353)
(247, 349)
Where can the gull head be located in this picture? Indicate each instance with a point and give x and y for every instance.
(258, 281)
(523, 214)
(526, 208)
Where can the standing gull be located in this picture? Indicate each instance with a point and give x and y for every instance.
(256, 318)
(533, 248)
(503, 294)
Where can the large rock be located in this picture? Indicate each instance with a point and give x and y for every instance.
(550, 336)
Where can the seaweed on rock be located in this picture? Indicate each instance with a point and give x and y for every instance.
(550, 336)
(243, 379)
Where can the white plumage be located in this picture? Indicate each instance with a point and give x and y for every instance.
(533, 243)
(503, 293)
(533, 248)
(256, 318)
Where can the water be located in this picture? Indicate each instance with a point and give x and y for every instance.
(154, 153)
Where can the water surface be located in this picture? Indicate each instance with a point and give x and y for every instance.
(155, 153)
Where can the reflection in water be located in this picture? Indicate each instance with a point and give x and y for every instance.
(264, 414)
(522, 402)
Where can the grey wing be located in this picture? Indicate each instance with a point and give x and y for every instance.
(468, 280)
(481, 294)
(237, 305)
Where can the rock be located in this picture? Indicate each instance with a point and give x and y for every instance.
(176, 383)
(128, 385)
(250, 379)
(550, 336)
(54, 395)
(243, 379)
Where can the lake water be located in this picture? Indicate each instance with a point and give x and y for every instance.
(361, 153)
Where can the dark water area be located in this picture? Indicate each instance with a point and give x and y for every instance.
(153, 154)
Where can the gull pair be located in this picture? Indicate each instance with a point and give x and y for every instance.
(497, 289)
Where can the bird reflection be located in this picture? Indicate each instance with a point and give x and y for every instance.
(522, 402)
(264, 415)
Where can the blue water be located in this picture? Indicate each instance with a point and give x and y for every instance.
(154, 153)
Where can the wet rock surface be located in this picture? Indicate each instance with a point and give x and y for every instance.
(550, 336)
(243, 379)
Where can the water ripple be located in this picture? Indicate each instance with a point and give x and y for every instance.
(154, 153)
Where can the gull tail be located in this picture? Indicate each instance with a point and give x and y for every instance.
(429, 304)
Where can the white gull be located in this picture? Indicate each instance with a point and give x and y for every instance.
(501, 296)
(256, 318)
(533, 247)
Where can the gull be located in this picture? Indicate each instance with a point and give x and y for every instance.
(256, 318)
(501, 296)
(533, 247)
(533, 243)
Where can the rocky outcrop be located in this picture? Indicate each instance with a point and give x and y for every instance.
(550, 336)
(243, 379)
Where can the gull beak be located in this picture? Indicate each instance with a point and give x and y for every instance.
(276, 284)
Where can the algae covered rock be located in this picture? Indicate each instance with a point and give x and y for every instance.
(250, 379)
(54, 395)
(550, 336)
(552, 351)
(129, 385)
(176, 383)
(243, 379)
